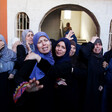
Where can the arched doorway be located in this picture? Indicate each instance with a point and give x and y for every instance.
(51, 21)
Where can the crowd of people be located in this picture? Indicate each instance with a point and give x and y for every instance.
(41, 74)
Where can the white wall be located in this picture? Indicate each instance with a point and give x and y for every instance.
(75, 21)
(88, 28)
(36, 9)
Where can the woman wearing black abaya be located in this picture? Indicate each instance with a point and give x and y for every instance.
(25, 47)
(36, 65)
(93, 54)
(7, 58)
(79, 76)
(60, 73)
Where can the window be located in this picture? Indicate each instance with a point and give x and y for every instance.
(67, 14)
(22, 23)
(110, 37)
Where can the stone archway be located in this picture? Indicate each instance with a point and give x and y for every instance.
(54, 12)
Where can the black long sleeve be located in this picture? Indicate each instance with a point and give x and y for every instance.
(86, 49)
(25, 71)
(27, 67)
(21, 54)
(44, 65)
(60, 70)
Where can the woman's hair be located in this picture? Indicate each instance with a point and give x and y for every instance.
(73, 42)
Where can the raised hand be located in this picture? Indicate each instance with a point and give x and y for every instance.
(28, 47)
(93, 39)
(69, 35)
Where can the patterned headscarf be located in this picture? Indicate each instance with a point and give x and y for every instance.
(24, 33)
(37, 73)
(7, 57)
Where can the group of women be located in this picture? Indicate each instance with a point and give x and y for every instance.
(50, 76)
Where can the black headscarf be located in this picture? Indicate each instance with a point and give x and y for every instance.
(66, 55)
(101, 53)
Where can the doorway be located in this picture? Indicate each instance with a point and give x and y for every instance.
(83, 22)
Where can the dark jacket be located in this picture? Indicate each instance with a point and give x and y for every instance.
(94, 80)
(64, 96)
(39, 100)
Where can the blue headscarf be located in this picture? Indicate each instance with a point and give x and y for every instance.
(37, 73)
(24, 33)
(7, 57)
(66, 55)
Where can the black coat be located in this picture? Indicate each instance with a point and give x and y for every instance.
(64, 96)
(79, 76)
(107, 92)
(21, 55)
(108, 55)
(4, 92)
(35, 101)
(94, 80)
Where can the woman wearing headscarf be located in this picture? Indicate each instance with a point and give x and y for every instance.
(107, 91)
(79, 75)
(60, 73)
(92, 52)
(7, 58)
(36, 65)
(25, 47)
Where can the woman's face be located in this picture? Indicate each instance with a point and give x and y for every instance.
(44, 45)
(97, 48)
(60, 49)
(2, 44)
(73, 50)
(29, 38)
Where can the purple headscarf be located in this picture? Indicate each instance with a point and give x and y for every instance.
(7, 57)
(24, 33)
(37, 73)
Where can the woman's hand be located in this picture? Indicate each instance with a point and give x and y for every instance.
(61, 81)
(28, 47)
(69, 35)
(32, 56)
(105, 64)
(11, 76)
(14, 47)
(93, 39)
(33, 86)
